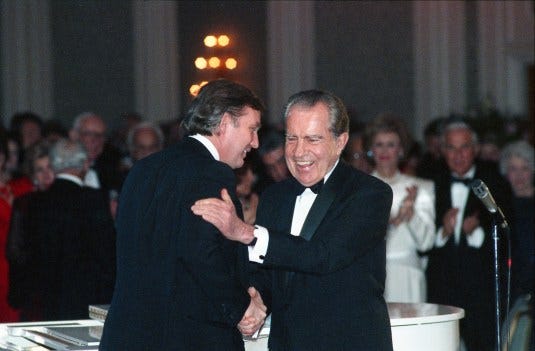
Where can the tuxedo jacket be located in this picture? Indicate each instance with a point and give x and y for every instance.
(180, 284)
(73, 249)
(462, 275)
(108, 168)
(327, 284)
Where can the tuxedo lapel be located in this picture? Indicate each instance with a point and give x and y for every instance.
(318, 211)
(323, 202)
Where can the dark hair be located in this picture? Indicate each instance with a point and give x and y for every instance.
(338, 118)
(214, 100)
(387, 123)
(433, 128)
(19, 118)
(54, 127)
(270, 141)
(4, 150)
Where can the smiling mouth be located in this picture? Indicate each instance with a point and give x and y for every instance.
(304, 163)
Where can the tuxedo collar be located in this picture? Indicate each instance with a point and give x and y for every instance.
(207, 144)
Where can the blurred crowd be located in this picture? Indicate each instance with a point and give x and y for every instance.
(60, 187)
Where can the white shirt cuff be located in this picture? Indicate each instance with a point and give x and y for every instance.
(258, 251)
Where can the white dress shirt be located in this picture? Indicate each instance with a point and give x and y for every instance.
(91, 179)
(303, 203)
(459, 196)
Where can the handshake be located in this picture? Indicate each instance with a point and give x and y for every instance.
(254, 316)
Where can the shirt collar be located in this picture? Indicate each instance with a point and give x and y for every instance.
(207, 144)
(330, 172)
(71, 178)
(470, 174)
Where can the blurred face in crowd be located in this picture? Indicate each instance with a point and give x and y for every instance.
(43, 175)
(145, 143)
(519, 175)
(246, 180)
(92, 134)
(386, 148)
(459, 150)
(357, 155)
(30, 133)
(275, 164)
(311, 148)
(238, 137)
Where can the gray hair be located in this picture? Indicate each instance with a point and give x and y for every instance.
(456, 126)
(67, 154)
(521, 149)
(338, 118)
(144, 125)
(81, 117)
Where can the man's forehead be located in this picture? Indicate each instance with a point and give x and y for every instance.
(93, 123)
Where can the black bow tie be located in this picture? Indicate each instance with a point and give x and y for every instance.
(465, 181)
(316, 188)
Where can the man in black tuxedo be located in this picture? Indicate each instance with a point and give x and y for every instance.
(180, 284)
(71, 229)
(321, 256)
(461, 270)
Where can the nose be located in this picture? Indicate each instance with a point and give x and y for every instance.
(255, 143)
(299, 148)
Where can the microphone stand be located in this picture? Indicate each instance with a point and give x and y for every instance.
(496, 238)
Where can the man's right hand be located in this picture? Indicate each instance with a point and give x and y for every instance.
(222, 214)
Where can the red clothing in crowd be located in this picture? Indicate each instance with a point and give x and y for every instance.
(14, 188)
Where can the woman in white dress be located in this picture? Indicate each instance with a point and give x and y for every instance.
(412, 218)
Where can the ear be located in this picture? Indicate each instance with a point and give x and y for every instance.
(341, 142)
(225, 122)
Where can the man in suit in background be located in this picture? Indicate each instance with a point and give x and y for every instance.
(104, 159)
(180, 284)
(326, 251)
(461, 269)
(72, 230)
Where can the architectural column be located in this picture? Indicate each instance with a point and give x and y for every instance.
(506, 37)
(156, 59)
(291, 52)
(440, 60)
(26, 58)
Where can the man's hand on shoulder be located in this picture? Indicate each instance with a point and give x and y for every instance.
(222, 214)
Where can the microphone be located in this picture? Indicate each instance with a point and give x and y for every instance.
(481, 190)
